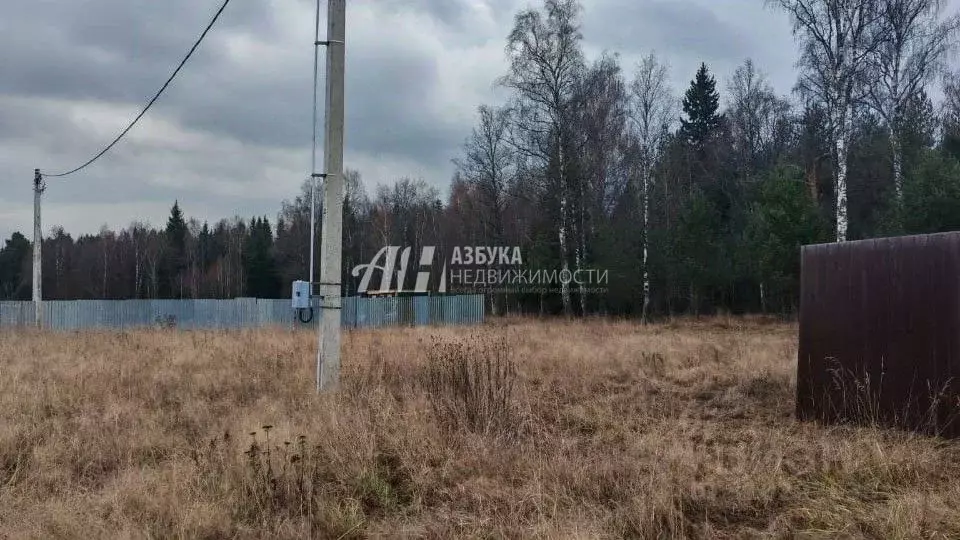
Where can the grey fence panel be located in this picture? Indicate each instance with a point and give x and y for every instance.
(16, 314)
(348, 312)
(357, 312)
(365, 316)
(276, 313)
(206, 314)
(371, 315)
(421, 308)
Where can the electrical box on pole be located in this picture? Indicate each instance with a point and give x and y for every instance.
(301, 295)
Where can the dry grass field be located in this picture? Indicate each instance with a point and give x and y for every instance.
(518, 429)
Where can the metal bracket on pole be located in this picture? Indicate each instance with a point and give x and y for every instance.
(330, 302)
(327, 42)
(38, 182)
(322, 284)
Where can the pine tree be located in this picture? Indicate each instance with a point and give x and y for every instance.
(700, 105)
(174, 255)
(204, 244)
(931, 195)
(261, 270)
(176, 228)
(17, 250)
(783, 216)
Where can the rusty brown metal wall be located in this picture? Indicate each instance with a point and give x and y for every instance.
(880, 333)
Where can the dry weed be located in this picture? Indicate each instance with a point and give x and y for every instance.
(470, 385)
(520, 429)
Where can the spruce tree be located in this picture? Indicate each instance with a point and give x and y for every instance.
(700, 105)
(260, 266)
(13, 286)
(176, 228)
(174, 256)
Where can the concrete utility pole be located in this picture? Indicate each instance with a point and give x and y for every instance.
(331, 238)
(37, 243)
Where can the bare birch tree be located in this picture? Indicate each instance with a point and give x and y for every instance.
(653, 109)
(838, 38)
(912, 46)
(950, 108)
(759, 120)
(599, 128)
(489, 166)
(546, 61)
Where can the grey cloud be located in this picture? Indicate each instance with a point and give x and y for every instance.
(252, 103)
(111, 50)
(456, 14)
(671, 26)
(449, 12)
(406, 113)
(387, 103)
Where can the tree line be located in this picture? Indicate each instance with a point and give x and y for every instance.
(692, 203)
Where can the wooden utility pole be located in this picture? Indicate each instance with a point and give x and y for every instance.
(328, 355)
(37, 244)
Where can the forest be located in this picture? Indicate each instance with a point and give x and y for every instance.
(694, 201)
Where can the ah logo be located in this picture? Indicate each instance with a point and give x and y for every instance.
(393, 264)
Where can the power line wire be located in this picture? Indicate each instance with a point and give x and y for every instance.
(155, 97)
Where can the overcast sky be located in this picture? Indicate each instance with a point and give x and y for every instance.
(231, 136)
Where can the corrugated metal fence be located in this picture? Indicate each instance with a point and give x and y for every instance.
(357, 312)
(880, 332)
